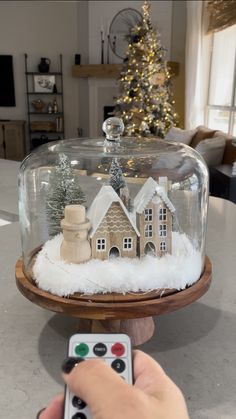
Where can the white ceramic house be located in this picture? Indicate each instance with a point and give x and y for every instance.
(154, 212)
(113, 231)
(117, 232)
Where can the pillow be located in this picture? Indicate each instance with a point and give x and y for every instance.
(202, 133)
(180, 135)
(229, 156)
(212, 150)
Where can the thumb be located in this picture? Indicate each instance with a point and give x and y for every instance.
(96, 383)
(54, 409)
(148, 374)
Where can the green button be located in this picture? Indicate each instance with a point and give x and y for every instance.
(82, 349)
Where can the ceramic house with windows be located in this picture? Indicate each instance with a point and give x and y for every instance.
(110, 230)
(113, 231)
(154, 212)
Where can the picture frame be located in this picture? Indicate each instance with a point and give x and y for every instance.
(44, 83)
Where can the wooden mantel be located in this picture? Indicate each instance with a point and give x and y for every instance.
(110, 70)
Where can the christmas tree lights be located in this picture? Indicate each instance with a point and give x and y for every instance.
(145, 103)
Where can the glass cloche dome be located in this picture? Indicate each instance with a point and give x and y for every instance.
(113, 214)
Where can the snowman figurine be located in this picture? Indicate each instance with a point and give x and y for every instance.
(75, 247)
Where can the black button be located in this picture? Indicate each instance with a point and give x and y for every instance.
(100, 349)
(78, 403)
(118, 365)
(79, 415)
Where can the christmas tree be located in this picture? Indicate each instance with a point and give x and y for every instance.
(117, 180)
(64, 190)
(145, 102)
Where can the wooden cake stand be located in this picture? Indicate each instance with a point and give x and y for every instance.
(130, 313)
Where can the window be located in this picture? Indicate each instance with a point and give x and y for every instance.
(162, 230)
(148, 230)
(163, 246)
(221, 109)
(162, 214)
(101, 245)
(148, 214)
(127, 243)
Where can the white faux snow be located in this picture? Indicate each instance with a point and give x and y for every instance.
(101, 204)
(120, 275)
(147, 192)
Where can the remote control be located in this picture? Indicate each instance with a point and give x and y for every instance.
(114, 349)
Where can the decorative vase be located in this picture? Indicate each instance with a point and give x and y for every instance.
(44, 65)
(50, 108)
(38, 105)
(55, 106)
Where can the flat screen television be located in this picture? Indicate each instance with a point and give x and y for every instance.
(7, 88)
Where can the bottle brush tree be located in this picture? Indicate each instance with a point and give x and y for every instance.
(64, 190)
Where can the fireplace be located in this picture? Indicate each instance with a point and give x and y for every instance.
(102, 95)
(108, 112)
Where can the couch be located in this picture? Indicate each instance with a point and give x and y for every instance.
(215, 146)
(229, 155)
(217, 149)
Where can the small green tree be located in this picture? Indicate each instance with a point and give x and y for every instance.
(64, 190)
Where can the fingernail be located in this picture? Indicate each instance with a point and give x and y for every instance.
(69, 363)
(39, 413)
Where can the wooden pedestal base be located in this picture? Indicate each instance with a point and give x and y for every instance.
(130, 313)
(139, 330)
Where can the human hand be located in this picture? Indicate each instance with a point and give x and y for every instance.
(153, 395)
(54, 410)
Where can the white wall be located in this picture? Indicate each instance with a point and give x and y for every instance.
(47, 28)
(83, 49)
(41, 29)
(102, 13)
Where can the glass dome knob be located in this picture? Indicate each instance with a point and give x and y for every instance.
(113, 128)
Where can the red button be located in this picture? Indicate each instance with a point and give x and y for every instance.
(118, 349)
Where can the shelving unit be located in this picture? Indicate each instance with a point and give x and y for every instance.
(55, 120)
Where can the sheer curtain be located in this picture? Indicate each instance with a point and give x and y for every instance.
(197, 64)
